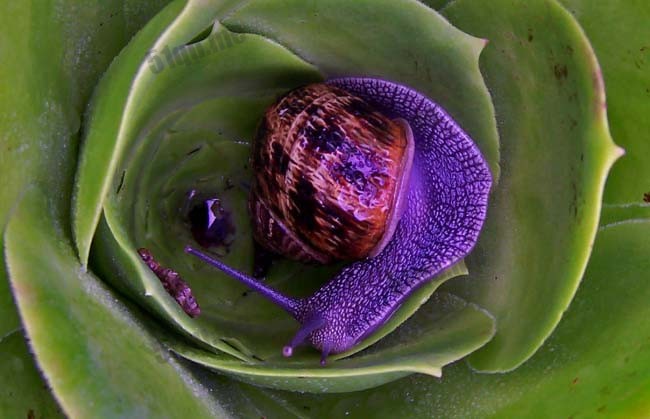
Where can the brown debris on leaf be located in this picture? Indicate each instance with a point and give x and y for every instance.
(173, 284)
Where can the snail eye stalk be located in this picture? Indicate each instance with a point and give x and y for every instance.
(315, 323)
(290, 305)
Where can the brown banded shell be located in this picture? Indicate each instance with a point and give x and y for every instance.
(330, 176)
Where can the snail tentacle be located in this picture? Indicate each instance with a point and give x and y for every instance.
(290, 305)
(324, 354)
(315, 322)
(310, 323)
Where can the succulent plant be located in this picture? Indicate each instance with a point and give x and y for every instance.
(116, 115)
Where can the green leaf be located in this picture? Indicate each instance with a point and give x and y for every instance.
(99, 360)
(436, 4)
(103, 145)
(46, 77)
(131, 278)
(36, 143)
(556, 152)
(597, 362)
(9, 320)
(239, 399)
(402, 41)
(442, 331)
(620, 35)
(24, 393)
(612, 214)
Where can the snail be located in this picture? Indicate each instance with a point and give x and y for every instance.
(433, 205)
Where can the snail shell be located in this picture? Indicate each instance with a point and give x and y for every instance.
(331, 175)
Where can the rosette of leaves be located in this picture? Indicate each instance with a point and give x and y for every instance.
(176, 92)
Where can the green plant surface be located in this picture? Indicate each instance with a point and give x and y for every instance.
(9, 320)
(23, 393)
(582, 371)
(100, 360)
(442, 331)
(436, 4)
(556, 152)
(617, 213)
(620, 35)
(99, 156)
(53, 53)
(46, 80)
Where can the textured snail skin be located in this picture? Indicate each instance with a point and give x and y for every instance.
(445, 209)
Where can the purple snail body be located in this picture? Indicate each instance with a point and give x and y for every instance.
(431, 214)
